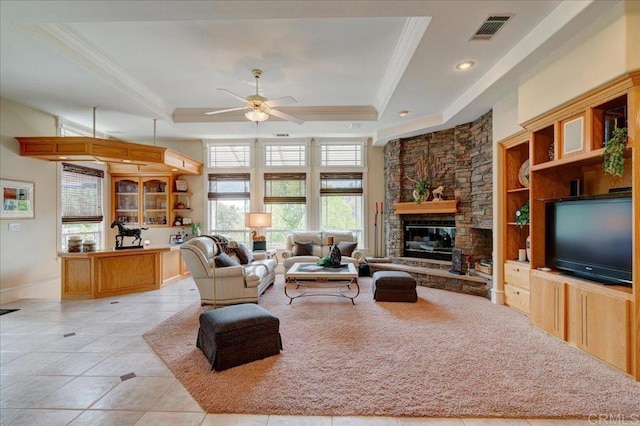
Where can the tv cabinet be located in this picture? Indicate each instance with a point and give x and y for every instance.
(563, 145)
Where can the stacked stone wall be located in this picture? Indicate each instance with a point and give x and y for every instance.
(460, 159)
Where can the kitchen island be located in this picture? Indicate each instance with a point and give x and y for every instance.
(110, 272)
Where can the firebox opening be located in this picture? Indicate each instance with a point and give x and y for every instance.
(429, 239)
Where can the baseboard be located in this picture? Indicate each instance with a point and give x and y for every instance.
(47, 289)
(497, 296)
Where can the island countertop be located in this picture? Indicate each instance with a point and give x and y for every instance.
(110, 272)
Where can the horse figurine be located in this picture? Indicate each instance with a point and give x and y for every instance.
(437, 193)
(128, 232)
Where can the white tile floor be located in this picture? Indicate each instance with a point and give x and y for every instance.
(63, 362)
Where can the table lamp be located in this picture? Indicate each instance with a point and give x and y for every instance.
(258, 221)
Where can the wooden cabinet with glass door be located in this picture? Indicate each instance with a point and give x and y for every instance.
(126, 199)
(156, 201)
(141, 201)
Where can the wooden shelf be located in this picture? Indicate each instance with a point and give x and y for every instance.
(428, 207)
(513, 191)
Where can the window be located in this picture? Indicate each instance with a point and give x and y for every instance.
(230, 155)
(285, 155)
(341, 154)
(229, 196)
(285, 198)
(341, 202)
(81, 199)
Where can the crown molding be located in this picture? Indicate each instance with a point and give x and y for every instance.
(64, 40)
(412, 33)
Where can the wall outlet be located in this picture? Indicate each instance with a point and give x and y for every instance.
(14, 226)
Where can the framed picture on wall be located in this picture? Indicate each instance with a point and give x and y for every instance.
(17, 199)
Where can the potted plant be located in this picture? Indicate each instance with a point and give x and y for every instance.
(614, 152)
(420, 191)
(196, 229)
(522, 215)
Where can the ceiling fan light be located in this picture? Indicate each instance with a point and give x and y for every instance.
(256, 115)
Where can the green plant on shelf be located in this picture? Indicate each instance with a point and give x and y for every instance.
(196, 229)
(522, 215)
(614, 152)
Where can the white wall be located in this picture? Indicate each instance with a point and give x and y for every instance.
(596, 55)
(28, 257)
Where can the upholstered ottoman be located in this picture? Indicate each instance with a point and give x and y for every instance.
(238, 334)
(394, 286)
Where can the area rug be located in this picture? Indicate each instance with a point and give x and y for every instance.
(448, 355)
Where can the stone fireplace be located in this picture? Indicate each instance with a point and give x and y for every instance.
(460, 159)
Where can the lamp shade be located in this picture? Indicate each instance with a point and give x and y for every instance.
(257, 220)
(256, 115)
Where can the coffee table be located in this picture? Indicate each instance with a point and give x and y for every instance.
(303, 277)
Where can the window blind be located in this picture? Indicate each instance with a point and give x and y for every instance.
(81, 194)
(229, 185)
(340, 183)
(280, 188)
(341, 155)
(229, 156)
(285, 155)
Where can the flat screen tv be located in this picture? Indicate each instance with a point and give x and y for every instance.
(591, 238)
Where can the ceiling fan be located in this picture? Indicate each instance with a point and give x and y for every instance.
(259, 108)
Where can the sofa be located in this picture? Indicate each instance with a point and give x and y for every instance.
(238, 282)
(315, 244)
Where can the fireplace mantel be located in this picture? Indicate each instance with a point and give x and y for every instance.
(428, 207)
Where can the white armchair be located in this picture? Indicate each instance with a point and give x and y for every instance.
(233, 284)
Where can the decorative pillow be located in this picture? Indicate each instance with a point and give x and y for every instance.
(304, 248)
(346, 248)
(223, 260)
(244, 254)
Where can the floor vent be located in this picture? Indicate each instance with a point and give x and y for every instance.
(490, 27)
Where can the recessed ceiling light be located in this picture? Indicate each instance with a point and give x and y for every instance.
(465, 65)
(403, 113)
(61, 157)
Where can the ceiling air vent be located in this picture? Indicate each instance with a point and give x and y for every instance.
(490, 27)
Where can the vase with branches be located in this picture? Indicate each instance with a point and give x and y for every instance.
(421, 184)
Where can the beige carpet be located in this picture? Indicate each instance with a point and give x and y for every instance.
(449, 355)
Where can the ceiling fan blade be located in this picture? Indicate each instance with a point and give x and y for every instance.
(220, 111)
(285, 100)
(285, 116)
(234, 95)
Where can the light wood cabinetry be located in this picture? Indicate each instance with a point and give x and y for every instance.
(516, 287)
(548, 304)
(599, 323)
(141, 201)
(514, 157)
(562, 145)
(106, 273)
(149, 201)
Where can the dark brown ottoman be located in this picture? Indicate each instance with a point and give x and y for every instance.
(394, 286)
(238, 334)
